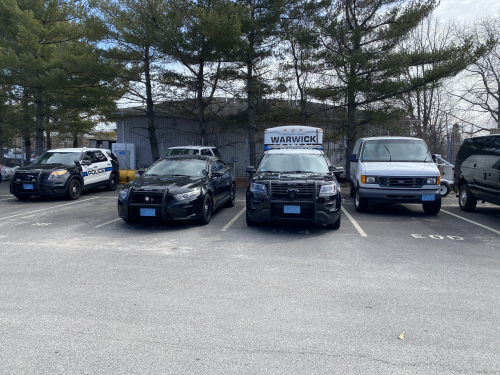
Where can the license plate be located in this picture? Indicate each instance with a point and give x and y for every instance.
(28, 186)
(291, 209)
(428, 197)
(148, 212)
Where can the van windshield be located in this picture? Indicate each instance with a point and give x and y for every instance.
(405, 150)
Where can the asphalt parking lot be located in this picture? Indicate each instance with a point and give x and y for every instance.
(393, 291)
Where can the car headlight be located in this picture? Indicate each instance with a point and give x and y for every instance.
(188, 195)
(433, 180)
(258, 188)
(58, 175)
(123, 194)
(368, 179)
(327, 190)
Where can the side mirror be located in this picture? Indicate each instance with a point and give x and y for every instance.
(353, 158)
(204, 173)
(250, 169)
(85, 162)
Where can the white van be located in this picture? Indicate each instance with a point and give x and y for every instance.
(394, 170)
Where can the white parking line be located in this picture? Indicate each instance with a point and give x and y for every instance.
(233, 220)
(109, 222)
(48, 208)
(473, 222)
(8, 199)
(356, 225)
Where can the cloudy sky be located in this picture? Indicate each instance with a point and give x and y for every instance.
(467, 10)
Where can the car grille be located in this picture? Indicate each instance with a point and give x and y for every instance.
(146, 198)
(401, 182)
(26, 176)
(304, 191)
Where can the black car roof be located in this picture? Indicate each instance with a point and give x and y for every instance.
(198, 157)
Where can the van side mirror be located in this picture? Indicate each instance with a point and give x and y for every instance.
(250, 169)
(353, 158)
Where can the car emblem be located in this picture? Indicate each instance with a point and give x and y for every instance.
(292, 194)
(401, 182)
(146, 199)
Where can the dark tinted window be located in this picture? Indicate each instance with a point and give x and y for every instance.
(465, 150)
(89, 156)
(100, 156)
(180, 151)
(111, 155)
(206, 151)
(216, 152)
(217, 166)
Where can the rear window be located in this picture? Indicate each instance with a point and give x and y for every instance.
(180, 151)
(216, 152)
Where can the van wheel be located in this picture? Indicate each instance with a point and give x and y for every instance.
(112, 183)
(444, 189)
(360, 203)
(352, 192)
(432, 208)
(335, 225)
(466, 199)
(74, 190)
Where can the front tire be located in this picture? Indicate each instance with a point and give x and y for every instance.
(74, 190)
(466, 199)
(206, 210)
(232, 200)
(432, 208)
(250, 222)
(112, 183)
(335, 225)
(360, 203)
(444, 189)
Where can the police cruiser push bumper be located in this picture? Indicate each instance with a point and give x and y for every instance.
(313, 208)
(156, 204)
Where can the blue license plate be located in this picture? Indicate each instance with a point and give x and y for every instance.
(28, 186)
(291, 209)
(428, 197)
(148, 212)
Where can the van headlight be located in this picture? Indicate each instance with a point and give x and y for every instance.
(188, 195)
(433, 180)
(368, 179)
(258, 188)
(327, 190)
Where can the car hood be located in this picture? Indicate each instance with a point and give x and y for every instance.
(177, 184)
(397, 168)
(295, 177)
(45, 168)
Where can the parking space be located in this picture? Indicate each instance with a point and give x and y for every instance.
(105, 296)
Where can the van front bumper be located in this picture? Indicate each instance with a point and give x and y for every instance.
(398, 195)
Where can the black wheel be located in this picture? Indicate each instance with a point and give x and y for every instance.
(352, 192)
(360, 203)
(23, 197)
(250, 222)
(335, 225)
(74, 190)
(432, 208)
(444, 189)
(206, 210)
(232, 200)
(466, 199)
(112, 182)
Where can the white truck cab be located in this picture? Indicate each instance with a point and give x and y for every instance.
(394, 170)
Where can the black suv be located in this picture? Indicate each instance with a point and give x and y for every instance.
(477, 171)
(294, 185)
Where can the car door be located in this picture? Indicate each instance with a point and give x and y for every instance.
(491, 170)
(218, 179)
(104, 166)
(88, 169)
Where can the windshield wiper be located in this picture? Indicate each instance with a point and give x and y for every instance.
(390, 158)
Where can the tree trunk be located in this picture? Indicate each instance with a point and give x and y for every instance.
(39, 123)
(251, 125)
(75, 142)
(27, 148)
(153, 141)
(26, 129)
(2, 159)
(199, 99)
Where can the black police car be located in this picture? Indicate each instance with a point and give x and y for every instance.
(294, 185)
(66, 172)
(179, 188)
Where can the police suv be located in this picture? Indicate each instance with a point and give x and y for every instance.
(294, 180)
(66, 172)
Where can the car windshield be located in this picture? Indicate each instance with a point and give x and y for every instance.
(178, 167)
(180, 151)
(294, 163)
(65, 158)
(406, 150)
